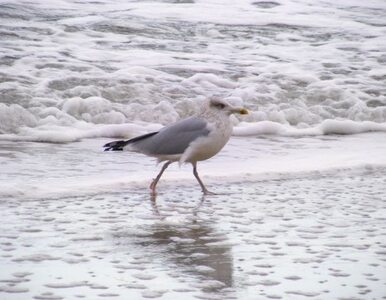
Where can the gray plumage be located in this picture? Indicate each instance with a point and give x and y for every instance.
(173, 139)
(170, 140)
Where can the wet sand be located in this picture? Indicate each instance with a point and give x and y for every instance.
(320, 236)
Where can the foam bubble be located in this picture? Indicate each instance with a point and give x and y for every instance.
(13, 116)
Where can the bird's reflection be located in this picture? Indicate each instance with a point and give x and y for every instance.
(194, 248)
(156, 211)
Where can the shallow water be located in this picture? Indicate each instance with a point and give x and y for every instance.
(41, 170)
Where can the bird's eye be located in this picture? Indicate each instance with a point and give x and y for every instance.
(219, 105)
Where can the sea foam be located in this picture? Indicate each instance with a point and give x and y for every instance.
(301, 68)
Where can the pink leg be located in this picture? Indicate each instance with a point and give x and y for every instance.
(155, 181)
(204, 189)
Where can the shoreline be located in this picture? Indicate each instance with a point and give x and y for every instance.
(36, 170)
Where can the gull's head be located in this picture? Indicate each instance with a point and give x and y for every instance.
(219, 105)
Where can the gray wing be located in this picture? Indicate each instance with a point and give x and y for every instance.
(173, 139)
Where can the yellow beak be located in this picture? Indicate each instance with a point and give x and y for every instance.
(242, 111)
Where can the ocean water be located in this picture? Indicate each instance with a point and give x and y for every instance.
(301, 200)
(68, 68)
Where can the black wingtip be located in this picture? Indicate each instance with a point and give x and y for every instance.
(115, 146)
(113, 149)
(118, 145)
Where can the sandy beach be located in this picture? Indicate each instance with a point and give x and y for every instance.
(303, 238)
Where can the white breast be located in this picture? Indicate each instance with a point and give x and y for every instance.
(208, 146)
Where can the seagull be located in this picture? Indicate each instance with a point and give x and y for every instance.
(189, 140)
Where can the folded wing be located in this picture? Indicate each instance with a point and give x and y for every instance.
(173, 139)
(170, 140)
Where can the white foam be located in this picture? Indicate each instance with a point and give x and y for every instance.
(61, 134)
(82, 20)
(327, 127)
(242, 13)
(49, 132)
(296, 62)
(209, 80)
(15, 116)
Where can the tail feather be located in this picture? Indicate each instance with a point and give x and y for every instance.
(118, 145)
(115, 146)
